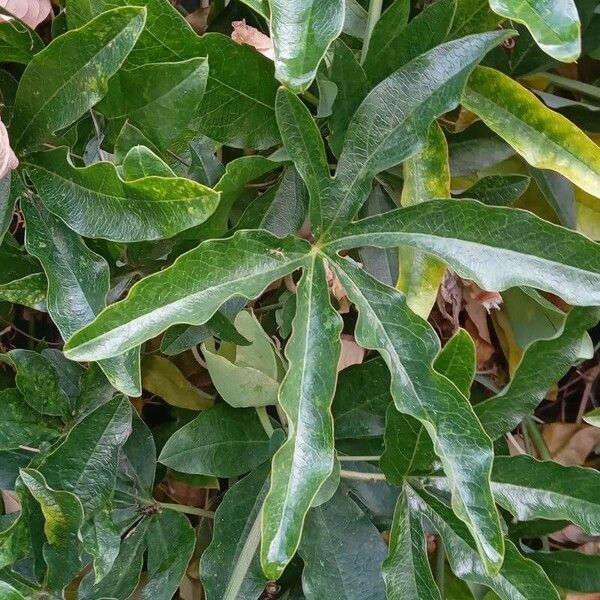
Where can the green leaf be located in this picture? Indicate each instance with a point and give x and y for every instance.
(86, 462)
(391, 125)
(38, 381)
(18, 43)
(95, 202)
(544, 138)
(63, 518)
(406, 570)
(162, 378)
(332, 534)
(123, 578)
(554, 24)
(426, 176)
(494, 246)
(393, 43)
(166, 568)
(70, 75)
(543, 363)
(248, 375)
(102, 540)
(8, 592)
(158, 98)
(570, 569)
(497, 190)
(531, 489)
(206, 277)
(29, 291)
(138, 457)
(222, 441)
(408, 448)
(230, 566)
(20, 425)
(302, 139)
(302, 32)
(518, 578)
(352, 87)
(409, 345)
(473, 16)
(249, 118)
(361, 398)
(306, 459)
(559, 193)
(78, 281)
(140, 162)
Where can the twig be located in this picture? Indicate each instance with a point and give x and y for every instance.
(362, 476)
(189, 510)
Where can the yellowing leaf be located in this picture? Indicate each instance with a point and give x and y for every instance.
(161, 377)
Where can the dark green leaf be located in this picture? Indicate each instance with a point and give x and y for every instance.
(166, 568)
(543, 363)
(333, 533)
(406, 571)
(63, 515)
(86, 462)
(221, 441)
(230, 566)
(158, 98)
(18, 43)
(570, 569)
(390, 125)
(498, 190)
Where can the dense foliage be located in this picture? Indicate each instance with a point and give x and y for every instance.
(294, 312)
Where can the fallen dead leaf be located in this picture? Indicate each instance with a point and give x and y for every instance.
(352, 353)
(246, 34)
(31, 12)
(571, 443)
(8, 160)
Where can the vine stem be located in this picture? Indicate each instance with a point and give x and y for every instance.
(358, 458)
(188, 510)
(361, 476)
(537, 438)
(373, 15)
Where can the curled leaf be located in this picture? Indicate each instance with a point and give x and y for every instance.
(246, 34)
(31, 12)
(8, 160)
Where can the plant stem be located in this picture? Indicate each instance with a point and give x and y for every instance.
(268, 307)
(358, 458)
(536, 438)
(188, 510)
(265, 421)
(310, 98)
(375, 7)
(361, 476)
